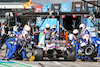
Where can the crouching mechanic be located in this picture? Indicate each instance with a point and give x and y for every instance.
(22, 37)
(81, 51)
(94, 40)
(9, 43)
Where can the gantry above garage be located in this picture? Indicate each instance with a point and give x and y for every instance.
(30, 13)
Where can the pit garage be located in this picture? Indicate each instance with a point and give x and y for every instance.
(71, 23)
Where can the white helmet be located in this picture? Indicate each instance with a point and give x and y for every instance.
(53, 26)
(32, 24)
(75, 31)
(47, 26)
(27, 28)
(86, 37)
(83, 44)
(25, 34)
(82, 27)
(70, 36)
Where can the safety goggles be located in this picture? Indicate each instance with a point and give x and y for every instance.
(76, 34)
(54, 28)
(47, 28)
(81, 28)
(28, 31)
(26, 36)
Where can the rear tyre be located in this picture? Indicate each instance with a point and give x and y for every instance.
(38, 54)
(90, 51)
(17, 55)
(70, 54)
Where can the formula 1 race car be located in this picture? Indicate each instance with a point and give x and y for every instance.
(54, 50)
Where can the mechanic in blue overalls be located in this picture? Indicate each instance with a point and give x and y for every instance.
(96, 41)
(74, 43)
(21, 37)
(98, 44)
(84, 31)
(78, 41)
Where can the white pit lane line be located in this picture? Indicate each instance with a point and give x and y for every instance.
(23, 63)
(57, 62)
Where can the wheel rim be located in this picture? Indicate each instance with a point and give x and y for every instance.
(88, 51)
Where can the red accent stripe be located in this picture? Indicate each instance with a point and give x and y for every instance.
(18, 36)
(44, 31)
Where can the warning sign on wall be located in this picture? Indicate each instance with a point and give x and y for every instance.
(37, 8)
(56, 7)
(90, 7)
(76, 6)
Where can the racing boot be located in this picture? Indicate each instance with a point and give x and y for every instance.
(2, 48)
(78, 60)
(7, 59)
(25, 59)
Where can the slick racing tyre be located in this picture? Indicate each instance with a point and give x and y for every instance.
(38, 54)
(70, 54)
(90, 51)
(17, 55)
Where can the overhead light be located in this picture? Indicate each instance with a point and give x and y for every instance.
(53, 16)
(63, 16)
(85, 16)
(74, 16)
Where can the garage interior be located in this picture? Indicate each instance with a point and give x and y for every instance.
(69, 22)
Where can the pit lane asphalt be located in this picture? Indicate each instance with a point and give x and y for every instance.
(60, 63)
